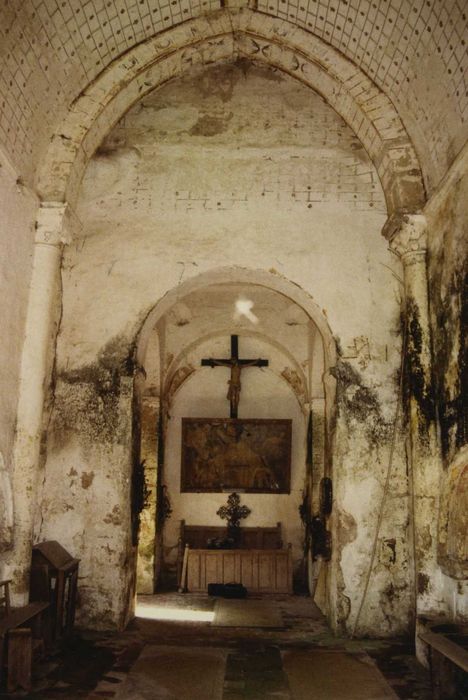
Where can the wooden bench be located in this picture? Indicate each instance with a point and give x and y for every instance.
(443, 650)
(22, 632)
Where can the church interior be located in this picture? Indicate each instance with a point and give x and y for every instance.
(234, 358)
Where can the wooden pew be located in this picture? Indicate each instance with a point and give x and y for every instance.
(448, 660)
(22, 632)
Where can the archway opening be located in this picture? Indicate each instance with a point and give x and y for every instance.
(282, 487)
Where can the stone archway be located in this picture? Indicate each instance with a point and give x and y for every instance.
(313, 394)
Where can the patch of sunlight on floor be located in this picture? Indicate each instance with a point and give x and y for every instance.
(156, 612)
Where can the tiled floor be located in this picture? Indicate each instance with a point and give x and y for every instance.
(172, 651)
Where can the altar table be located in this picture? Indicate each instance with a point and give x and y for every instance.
(259, 570)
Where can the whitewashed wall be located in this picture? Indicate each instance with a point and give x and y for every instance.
(18, 208)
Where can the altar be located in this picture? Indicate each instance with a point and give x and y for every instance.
(258, 561)
(259, 570)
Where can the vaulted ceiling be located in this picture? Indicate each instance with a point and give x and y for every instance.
(413, 50)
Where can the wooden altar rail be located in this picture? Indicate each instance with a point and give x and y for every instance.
(259, 570)
(197, 536)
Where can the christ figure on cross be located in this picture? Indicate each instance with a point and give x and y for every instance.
(234, 383)
(236, 365)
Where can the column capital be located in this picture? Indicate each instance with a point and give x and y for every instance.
(407, 235)
(56, 223)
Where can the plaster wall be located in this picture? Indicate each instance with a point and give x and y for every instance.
(85, 502)
(230, 169)
(448, 283)
(18, 208)
(231, 166)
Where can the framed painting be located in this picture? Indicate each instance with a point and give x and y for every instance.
(233, 454)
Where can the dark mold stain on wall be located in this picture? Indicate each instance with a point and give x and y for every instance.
(208, 125)
(462, 433)
(416, 379)
(448, 287)
(355, 400)
(87, 398)
(448, 283)
(423, 583)
(391, 601)
(452, 391)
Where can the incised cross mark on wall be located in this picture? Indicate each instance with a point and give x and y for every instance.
(237, 365)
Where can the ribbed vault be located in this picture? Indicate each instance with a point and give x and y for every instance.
(413, 50)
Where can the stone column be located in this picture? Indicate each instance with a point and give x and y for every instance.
(147, 544)
(407, 235)
(53, 229)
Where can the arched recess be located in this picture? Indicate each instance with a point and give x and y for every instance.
(175, 379)
(313, 399)
(235, 35)
(241, 276)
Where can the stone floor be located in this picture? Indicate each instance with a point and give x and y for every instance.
(172, 651)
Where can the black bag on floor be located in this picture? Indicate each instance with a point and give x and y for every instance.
(227, 590)
(235, 590)
(216, 589)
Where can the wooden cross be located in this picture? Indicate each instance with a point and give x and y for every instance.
(236, 365)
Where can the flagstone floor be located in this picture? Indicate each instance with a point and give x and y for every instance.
(172, 651)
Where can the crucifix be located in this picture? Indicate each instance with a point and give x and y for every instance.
(237, 365)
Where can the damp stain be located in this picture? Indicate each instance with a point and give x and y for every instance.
(423, 583)
(208, 125)
(87, 399)
(356, 401)
(417, 378)
(451, 368)
(87, 479)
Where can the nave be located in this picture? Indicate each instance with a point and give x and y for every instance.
(174, 650)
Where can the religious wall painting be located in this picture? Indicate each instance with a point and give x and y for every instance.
(227, 454)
